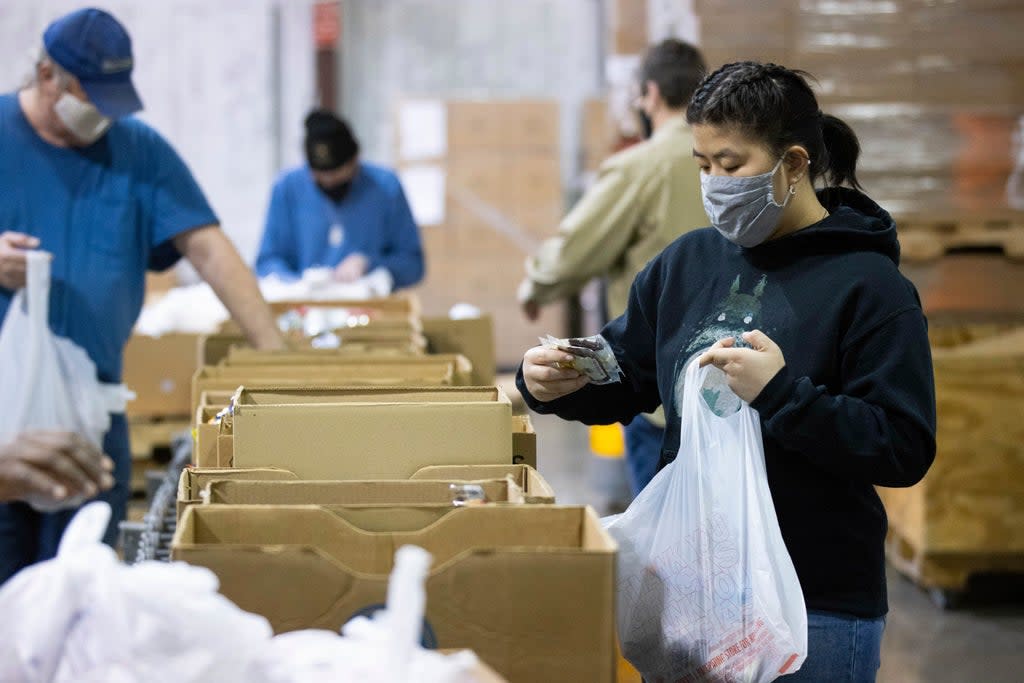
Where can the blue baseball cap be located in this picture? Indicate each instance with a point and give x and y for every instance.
(94, 48)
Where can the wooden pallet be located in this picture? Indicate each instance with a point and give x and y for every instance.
(966, 516)
(926, 237)
(945, 575)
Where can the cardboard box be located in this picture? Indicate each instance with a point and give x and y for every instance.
(158, 284)
(535, 489)
(404, 305)
(437, 370)
(628, 26)
(215, 449)
(242, 356)
(470, 337)
(520, 124)
(353, 493)
(193, 480)
(158, 370)
(216, 399)
(370, 432)
(529, 588)
(482, 673)
(204, 438)
(214, 348)
(524, 441)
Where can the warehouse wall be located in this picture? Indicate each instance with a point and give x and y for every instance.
(225, 82)
(469, 49)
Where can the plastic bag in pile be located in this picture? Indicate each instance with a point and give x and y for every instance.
(85, 617)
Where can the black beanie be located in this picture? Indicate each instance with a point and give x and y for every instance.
(329, 141)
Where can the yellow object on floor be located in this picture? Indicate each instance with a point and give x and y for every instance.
(607, 441)
(626, 673)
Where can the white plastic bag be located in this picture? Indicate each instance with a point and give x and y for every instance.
(707, 591)
(86, 617)
(49, 382)
(384, 648)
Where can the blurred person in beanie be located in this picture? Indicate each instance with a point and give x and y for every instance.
(340, 212)
(110, 199)
(644, 198)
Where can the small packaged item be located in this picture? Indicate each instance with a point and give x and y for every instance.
(592, 357)
(467, 494)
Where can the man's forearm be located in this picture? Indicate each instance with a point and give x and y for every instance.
(218, 263)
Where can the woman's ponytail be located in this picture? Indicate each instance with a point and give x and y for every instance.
(839, 167)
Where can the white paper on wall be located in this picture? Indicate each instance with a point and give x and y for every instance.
(424, 186)
(422, 130)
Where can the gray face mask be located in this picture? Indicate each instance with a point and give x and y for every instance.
(743, 209)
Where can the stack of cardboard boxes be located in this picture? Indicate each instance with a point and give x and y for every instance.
(935, 93)
(501, 195)
(933, 89)
(312, 467)
(162, 406)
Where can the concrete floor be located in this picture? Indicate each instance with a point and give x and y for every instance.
(982, 641)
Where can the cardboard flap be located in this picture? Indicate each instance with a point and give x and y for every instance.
(255, 492)
(194, 479)
(447, 533)
(290, 396)
(327, 359)
(529, 588)
(535, 488)
(403, 304)
(249, 574)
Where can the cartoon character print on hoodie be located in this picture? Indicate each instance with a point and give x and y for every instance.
(737, 313)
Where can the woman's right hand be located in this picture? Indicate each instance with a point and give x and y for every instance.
(549, 375)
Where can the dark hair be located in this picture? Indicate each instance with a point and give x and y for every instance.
(776, 106)
(676, 67)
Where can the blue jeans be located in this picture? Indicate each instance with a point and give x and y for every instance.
(643, 452)
(28, 536)
(840, 649)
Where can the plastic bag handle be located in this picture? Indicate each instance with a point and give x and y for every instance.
(37, 308)
(37, 288)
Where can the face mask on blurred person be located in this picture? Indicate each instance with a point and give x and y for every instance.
(84, 120)
(336, 192)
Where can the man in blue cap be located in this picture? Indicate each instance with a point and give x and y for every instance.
(110, 199)
(339, 212)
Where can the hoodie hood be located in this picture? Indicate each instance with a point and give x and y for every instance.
(855, 223)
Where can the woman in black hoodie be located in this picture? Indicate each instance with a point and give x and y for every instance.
(795, 294)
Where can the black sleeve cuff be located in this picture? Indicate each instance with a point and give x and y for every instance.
(775, 394)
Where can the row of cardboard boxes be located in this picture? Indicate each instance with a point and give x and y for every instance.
(312, 467)
(156, 368)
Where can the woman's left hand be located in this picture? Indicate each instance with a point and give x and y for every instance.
(748, 370)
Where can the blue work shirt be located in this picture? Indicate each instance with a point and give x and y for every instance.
(106, 212)
(306, 229)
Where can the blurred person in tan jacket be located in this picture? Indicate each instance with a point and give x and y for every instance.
(643, 199)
